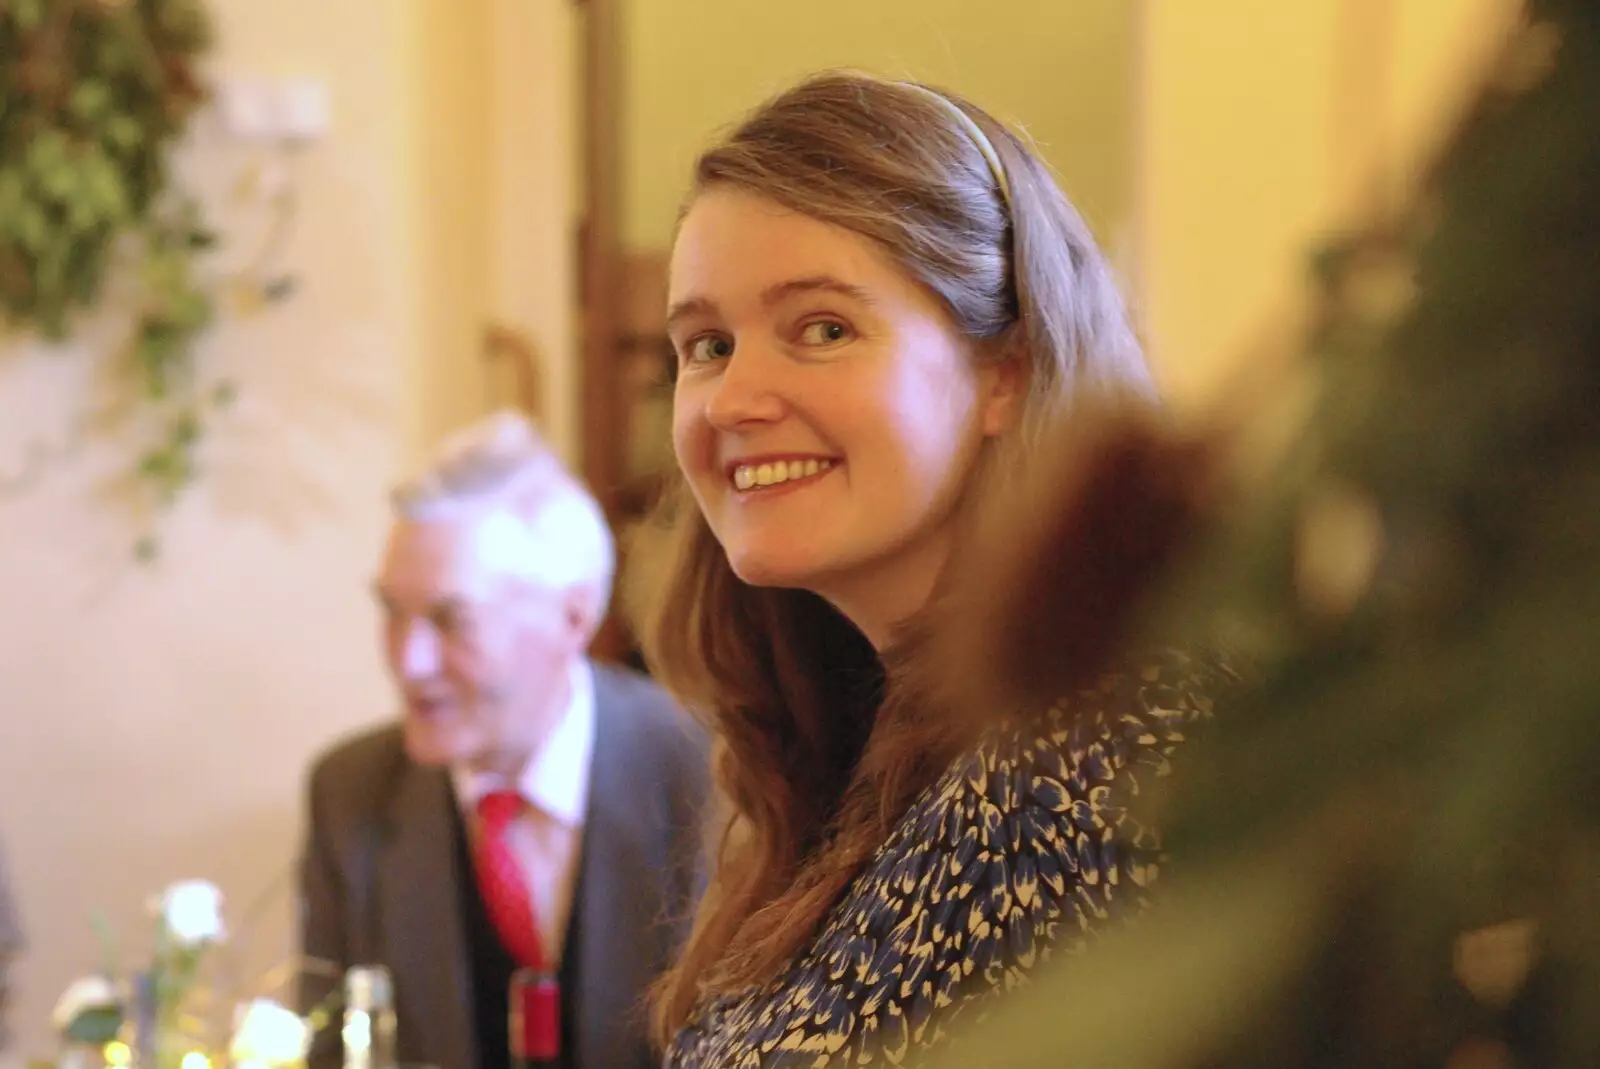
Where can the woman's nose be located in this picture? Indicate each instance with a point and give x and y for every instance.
(749, 390)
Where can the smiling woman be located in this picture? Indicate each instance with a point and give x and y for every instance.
(879, 300)
(849, 366)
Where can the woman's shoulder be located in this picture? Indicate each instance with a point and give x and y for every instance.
(1024, 847)
(1034, 840)
(1131, 720)
(1040, 826)
(1143, 706)
(1040, 822)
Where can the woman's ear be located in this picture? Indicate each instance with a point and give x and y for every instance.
(1004, 385)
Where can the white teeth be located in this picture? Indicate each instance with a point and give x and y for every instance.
(750, 476)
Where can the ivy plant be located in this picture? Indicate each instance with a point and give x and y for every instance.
(94, 97)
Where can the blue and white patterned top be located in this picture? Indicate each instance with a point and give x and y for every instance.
(1019, 852)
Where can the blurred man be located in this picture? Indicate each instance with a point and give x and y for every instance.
(530, 808)
(10, 946)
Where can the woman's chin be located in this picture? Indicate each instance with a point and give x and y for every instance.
(773, 570)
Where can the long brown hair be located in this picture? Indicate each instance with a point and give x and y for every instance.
(820, 744)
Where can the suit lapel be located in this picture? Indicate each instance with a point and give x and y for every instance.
(609, 952)
(419, 918)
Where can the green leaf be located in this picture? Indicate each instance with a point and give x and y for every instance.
(106, 937)
(11, 191)
(101, 184)
(31, 228)
(83, 215)
(156, 464)
(83, 172)
(61, 182)
(86, 283)
(185, 432)
(123, 132)
(47, 152)
(28, 13)
(51, 320)
(190, 310)
(96, 1026)
(154, 352)
(50, 271)
(162, 272)
(90, 99)
(280, 288)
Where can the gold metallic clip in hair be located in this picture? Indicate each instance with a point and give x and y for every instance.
(974, 131)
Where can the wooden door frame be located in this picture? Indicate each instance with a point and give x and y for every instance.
(603, 428)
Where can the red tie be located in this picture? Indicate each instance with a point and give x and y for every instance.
(501, 882)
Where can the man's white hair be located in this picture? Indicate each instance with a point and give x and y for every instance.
(502, 465)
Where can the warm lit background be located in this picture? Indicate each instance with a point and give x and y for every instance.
(157, 721)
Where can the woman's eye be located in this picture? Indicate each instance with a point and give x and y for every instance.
(710, 347)
(825, 332)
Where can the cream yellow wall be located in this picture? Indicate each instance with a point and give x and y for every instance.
(1442, 49)
(156, 722)
(455, 130)
(1262, 126)
(532, 197)
(1060, 68)
(1210, 144)
(496, 138)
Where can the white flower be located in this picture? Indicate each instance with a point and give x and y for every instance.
(268, 1034)
(192, 912)
(81, 996)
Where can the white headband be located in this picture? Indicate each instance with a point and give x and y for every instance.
(975, 132)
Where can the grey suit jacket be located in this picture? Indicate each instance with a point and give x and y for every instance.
(379, 879)
(10, 944)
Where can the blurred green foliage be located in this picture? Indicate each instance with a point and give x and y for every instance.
(1387, 856)
(94, 97)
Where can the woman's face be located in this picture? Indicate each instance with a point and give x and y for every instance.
(827, 411)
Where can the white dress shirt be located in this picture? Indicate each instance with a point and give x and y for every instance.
(548, 837)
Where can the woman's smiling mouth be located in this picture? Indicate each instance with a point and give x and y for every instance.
(755, 474)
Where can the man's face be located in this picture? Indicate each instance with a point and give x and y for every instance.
(480, 656)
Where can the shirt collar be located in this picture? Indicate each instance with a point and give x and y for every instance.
(556, 778)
